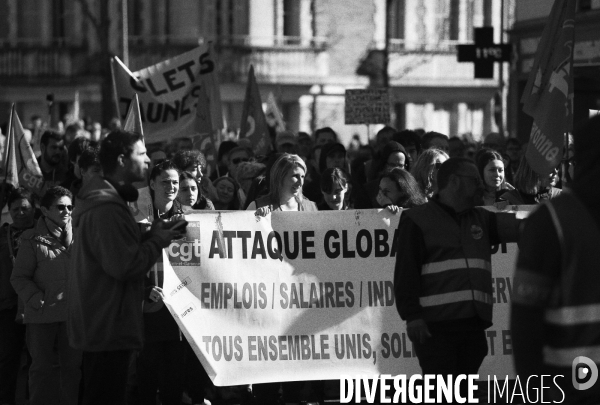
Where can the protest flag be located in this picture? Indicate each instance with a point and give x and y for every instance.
(254, 124)
(204, 141)
(548, 94)
(168, 92)
(142, 207)
(133, 119)
(21, 168)
(273, 114)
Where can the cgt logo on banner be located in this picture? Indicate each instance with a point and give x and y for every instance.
(186, 251)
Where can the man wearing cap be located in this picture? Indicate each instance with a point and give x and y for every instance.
(286, 142)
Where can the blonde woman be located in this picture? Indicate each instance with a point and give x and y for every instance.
(285, 192)
(425, 169)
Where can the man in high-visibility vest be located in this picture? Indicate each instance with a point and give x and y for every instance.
(555, 317)
(443, 280)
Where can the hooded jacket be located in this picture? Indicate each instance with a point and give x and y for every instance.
(40, 273)
(109, 262)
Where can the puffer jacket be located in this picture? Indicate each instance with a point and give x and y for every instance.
(40, 274)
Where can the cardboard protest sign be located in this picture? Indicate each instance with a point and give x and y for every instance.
(168, 93)
(303, 296)
(367, 106)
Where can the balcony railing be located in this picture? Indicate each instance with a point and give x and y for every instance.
(296, 60)
(442, 46)
(290, 67)
(231, 40)
(40, 62)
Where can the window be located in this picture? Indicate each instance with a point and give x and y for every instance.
(291, 18)
(396, 17)
(29, 21)
(224, 20)
(4, 27)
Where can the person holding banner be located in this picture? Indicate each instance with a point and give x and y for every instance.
(159, 364)
(442, 280)
(555, 315)
(39, 277)
(285, 194)
(399, 189)
(336, 188)
(285, 188)
(110, 259)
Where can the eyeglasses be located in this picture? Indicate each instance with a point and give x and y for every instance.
(394, 165)
(62, 207)
(239, 160)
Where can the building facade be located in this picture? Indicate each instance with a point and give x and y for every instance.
(306, 52)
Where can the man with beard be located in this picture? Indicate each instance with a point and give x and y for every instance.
(51, 162)
(443, 280)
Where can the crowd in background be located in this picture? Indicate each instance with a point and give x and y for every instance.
(396, 170)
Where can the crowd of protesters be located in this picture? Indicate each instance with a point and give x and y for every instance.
(303, 173)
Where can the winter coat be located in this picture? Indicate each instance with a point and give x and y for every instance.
(110, 260)
(40, 273)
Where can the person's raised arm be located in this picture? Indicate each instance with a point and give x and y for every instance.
(122, 254)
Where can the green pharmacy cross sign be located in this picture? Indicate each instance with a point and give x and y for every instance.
(484, 53)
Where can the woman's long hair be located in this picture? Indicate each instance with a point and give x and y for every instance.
(282, 166)
(412, 195)
(235, 201)
(333, 177)
(485, 156)
(423, 168)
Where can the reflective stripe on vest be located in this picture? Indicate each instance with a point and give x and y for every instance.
(452, 264)
(565, 357)
(457, 296)
(574, 315)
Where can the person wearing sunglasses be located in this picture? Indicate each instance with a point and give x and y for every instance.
(39, 278)
(237, 155)
(443, 274)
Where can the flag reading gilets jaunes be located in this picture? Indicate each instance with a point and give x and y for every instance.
(548, 95)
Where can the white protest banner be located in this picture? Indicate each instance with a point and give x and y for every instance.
(303, 296)
(168, 93)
